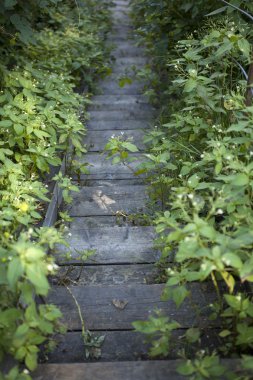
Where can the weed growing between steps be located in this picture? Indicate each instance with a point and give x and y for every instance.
(47, 49)
(200, 165)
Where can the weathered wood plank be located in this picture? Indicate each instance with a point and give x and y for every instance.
(102, 169)
(139, 370)
(121, 114)
(107, 274)
(107, 200)
(127, 50)
(130, 61)
(122, 125)
(114, 102)
(96, 221)
(116, 244)
(100, 313)
(112, 88)
(96, 140)
(123, 345)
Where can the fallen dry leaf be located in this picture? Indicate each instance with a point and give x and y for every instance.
(119, 304)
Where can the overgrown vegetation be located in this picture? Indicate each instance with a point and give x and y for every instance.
(48, 48)
(201, 167)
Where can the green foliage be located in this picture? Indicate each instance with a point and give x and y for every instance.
(200, 163)
(48, 48)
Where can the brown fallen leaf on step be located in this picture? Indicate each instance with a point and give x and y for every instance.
(119, 304)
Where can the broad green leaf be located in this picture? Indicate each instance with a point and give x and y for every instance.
(244, 46)
(31, 361)
(5, 123)
(190, 85)
(231, 259)
(131, 147)
(14, 271)
(179, 294)
(240, 180)
(192, 334)
(35, 274)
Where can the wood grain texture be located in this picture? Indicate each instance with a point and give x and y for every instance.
(112, 245)
(96, 303)
(107, 200)
(125, 345)
(102, 169)
(118, 102)
(121, 125)
(107, 274)
(122, 115)
(148, 370)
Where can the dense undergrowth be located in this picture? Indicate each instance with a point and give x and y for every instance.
(200, 165)
(47, 49)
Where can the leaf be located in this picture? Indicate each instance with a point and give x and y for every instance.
(5, 123)
(231, 259)
(31, 361)
(19, 129)
(224, 48)
(217, 11)
(10, 3)
(233, 301)
(244, 46)
(15, 270)
(37, 277)
(131, 147)
(123, 81)
(179, 294)
(145, 327)
(192, 334)
(229, 280)
(240, 180)
(190, 84)
(119, 304)
(186, 368)
(224, 333)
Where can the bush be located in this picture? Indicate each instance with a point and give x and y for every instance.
(201, 167)
(47, 49)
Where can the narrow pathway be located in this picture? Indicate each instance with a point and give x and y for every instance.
(116, 285)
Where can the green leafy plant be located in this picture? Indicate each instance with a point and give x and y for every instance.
(200, 164)
(48, 50)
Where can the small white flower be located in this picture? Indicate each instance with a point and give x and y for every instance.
(219, 211)
(69, 234)
(190, 196)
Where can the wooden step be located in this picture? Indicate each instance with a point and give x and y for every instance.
(112, 245)
(119, 125)
(127, 50)
(101, 168)
(107, 274)
(96, 141)
(138, 370)
(128, 114)
(116, 307)
(109, 87)
(130, 61)
(108, 200)
(102, 221)
(135, 108)
(113, 102)
(123, 345)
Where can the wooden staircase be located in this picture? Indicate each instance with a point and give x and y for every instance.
(116, 286)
